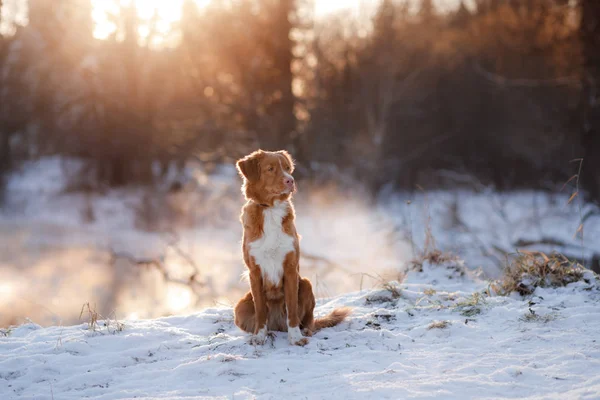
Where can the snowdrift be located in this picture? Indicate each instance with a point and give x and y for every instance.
(437, 334)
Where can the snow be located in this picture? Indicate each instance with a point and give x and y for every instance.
(434, 335)
(55, 242)
(483, 227)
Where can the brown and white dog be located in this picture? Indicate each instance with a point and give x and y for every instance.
(279, 299)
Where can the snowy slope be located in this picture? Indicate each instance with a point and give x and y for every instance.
(431, 336)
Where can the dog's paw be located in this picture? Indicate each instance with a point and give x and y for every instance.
(295, 337)
(256, 341)
(302, 342)
(307, 332)
(259, 338)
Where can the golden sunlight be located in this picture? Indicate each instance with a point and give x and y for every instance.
(168, 12)
(6, 289)
(178, 298)
(324, 7)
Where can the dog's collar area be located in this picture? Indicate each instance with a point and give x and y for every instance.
(262, 204)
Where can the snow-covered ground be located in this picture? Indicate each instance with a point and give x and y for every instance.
(434, 335)
(55, 244)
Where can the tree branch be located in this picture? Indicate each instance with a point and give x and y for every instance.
(572, 80)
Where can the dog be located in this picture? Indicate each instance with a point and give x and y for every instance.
(279, 298)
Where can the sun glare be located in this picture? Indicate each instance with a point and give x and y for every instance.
(167, 12)
(324, 7)
(6, 289)
(178, 298)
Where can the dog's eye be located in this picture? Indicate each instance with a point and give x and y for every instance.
(270, 169)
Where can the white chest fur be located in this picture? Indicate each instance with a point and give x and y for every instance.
(270, 250)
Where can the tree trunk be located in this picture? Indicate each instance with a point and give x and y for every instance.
(282, 108)
(5, 158)
(590, 136)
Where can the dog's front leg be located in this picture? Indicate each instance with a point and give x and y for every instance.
(260, 306)
(290, 288)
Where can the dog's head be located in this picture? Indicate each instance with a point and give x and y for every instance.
(267, 176)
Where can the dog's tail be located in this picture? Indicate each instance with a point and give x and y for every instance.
(334, 318)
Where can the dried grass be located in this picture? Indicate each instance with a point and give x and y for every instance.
(447, 260)
(438, 325)
(472, 305)
(530, 270)
(393, 289)
(95, 321)
(533, 317)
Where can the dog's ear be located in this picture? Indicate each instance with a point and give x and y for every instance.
(248, 167)
(288, 159)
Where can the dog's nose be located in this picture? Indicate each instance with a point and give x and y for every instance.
(289, 181)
